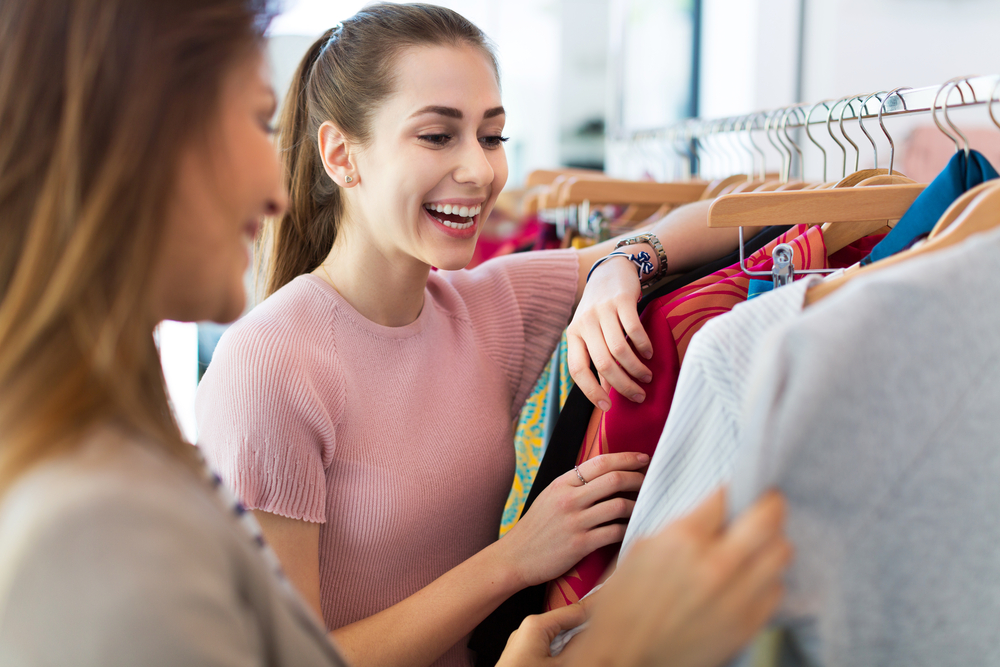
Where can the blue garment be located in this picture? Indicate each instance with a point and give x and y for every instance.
(758, 287)
(958, 177)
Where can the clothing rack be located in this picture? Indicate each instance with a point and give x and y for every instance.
(971, 91)
(688, 139)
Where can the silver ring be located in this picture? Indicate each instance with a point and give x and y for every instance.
(579, 475)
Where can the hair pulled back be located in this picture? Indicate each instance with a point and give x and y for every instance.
(97, 98)
(344, 77)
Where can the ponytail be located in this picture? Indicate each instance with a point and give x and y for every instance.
(302, 238)
(346, 74)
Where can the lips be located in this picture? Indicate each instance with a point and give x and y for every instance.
(454, 216)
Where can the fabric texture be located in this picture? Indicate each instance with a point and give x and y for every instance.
(960, 175)
(117, 555)
(490, 636)
(670, 324)
(397, 440)
(534, 428)
(875, 413)
(697, 449)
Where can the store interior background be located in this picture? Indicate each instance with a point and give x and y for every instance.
(578, 75)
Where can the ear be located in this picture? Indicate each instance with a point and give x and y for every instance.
(335, 152)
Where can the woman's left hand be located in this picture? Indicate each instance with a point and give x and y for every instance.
(606, 315)
(528, 646)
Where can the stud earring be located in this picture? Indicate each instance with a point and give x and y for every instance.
(348, 179)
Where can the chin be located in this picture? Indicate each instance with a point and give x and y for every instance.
(453, 262)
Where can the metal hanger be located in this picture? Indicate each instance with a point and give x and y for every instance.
(811, 137)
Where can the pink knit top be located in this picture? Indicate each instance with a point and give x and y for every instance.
(397, 439)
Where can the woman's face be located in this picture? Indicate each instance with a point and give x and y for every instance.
(436, 162)
(229, 178)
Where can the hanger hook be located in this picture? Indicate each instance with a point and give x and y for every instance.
(864, 105)
(786, 158)
(829, 129)
(993, 95)
(749, 127)
(946, 86)
(811, 137)
(958, 85)
(881, 109)
(843, 131)
(797, 110)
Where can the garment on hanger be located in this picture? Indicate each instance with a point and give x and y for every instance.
(846, 256)
(534, 428)
(960, 175)
(875, 414)
(697, 449)
(490, 637)
(670, 324)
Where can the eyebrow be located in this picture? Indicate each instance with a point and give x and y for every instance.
(452, 112)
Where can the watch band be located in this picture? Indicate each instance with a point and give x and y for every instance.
(651, 240)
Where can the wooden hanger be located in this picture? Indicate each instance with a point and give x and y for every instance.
(979, 212)
(716, 187)
(600, 192)
(759, 209)
(839, 236)
(546, 176)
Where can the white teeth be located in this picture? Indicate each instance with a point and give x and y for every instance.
(445, 209)
(464, 211)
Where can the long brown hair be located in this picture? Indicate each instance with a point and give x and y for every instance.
(96, 97)
(344, 77)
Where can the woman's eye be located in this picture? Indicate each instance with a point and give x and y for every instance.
(436, 139)
(494, 141)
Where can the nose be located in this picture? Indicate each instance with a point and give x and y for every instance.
(474, 168)
(277, 203)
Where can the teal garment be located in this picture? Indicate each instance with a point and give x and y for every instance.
(959, 176)
(758, 287)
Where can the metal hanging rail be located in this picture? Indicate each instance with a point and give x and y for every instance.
(964, 92)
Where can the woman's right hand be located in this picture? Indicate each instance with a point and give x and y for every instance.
(570, 519)
(692, 595)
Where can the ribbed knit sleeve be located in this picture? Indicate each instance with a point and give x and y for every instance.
(268, 406)
(519, 306)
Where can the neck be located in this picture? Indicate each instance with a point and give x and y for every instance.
(386, 289)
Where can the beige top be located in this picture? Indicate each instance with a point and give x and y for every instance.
(117, 555)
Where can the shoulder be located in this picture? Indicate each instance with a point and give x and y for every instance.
(107, 489)
(294, 321)
(286, 343)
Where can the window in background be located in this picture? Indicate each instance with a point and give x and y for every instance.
(654, 77)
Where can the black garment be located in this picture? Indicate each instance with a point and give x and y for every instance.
(490, 637)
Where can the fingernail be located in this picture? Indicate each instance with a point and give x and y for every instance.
(646, 378)
(648, 355)
(642, 458)
(638, 398)
(604, 405)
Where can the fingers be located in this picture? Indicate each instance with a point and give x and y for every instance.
(611, 484)
(633, 328)
(628, 364)
(706, 519)
(612, 509)
(579, 369)
(553, 622)
(593, 468)
(757, 528)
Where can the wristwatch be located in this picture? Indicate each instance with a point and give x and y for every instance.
(651, 240)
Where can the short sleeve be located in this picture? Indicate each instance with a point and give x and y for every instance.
(519, 306)
(267, 410)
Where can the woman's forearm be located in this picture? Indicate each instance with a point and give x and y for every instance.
(419, 629)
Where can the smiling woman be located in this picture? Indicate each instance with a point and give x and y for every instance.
(365, 409)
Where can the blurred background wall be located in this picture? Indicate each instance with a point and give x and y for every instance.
(578, 73)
